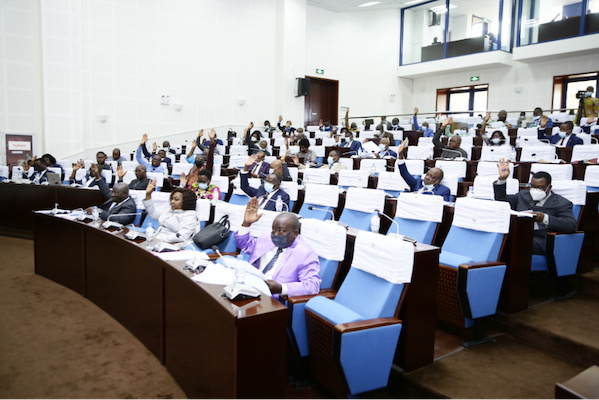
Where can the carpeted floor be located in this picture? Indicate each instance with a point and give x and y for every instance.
(54, 343)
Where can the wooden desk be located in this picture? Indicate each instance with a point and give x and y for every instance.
(211, 346)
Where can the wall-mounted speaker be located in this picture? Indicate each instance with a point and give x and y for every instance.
(303, 87)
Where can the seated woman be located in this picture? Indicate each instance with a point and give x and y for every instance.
(202, 187)
(496, 139)
(179, 223)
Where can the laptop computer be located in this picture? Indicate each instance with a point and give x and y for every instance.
(53, 178)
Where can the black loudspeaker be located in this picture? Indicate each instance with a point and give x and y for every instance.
(303, 87)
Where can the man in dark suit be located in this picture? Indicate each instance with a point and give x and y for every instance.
(551, 211)
(119, 201)
(354, 146)
(258, 167)
(141, 179)
(564, 138)
(267, 193)
(431, 184)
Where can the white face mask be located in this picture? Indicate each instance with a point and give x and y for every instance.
(269, 187)
(330, 160)
(271, 171)
(536, 118)
(495, 140)
(203, 186)
(382, 147)
(537, 194)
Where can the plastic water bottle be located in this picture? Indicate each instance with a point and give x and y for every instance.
(149, 236)
(375, 223)
(470, 192)
(18, 177)
(239, 270)
(95, 215)
(372, 170)
(279, 204)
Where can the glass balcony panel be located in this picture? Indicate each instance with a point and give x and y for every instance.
(423, 32)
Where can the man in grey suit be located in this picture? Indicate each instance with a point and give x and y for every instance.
(551, 211)
(119, 207)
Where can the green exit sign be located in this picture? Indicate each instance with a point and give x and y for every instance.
(474, 78)
(320, 71)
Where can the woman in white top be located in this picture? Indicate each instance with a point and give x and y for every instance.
(179, 223)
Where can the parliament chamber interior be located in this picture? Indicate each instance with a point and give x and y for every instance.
(416, 217)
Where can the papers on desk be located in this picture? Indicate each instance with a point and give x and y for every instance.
(217, 274)
(182, 255)
(527, 213)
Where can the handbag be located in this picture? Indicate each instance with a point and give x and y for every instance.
(213, 234)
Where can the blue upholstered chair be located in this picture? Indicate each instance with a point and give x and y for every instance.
(470, 274)
(562, 250)
(320, 201)
(328, 239)
(418, 216)
(352, 338)
(360, 206)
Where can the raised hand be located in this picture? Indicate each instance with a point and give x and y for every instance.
(212, 134)
(251, 212)
(447, 121)
(503, 167)
(144, 139)
(120, 171)
(193, 144)
(280, 118)
(250, 161)
(402, 146)
(487, 117)
(183, 179)
(95, 170)
(544, 121)
(154, 147)
(251, 125)
(200, 133)
(415, 110)
(150, 188)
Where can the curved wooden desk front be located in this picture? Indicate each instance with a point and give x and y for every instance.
(213, 348)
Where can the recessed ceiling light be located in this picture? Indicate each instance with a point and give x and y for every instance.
(413, 2)
(370, 3)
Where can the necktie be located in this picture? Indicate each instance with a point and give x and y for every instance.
(272, 262)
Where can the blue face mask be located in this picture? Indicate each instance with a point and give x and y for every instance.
(562, 134)
(588, 94)
(429, 187)
(203, 186)
(330, 160)
(269, 187)
(281, 241)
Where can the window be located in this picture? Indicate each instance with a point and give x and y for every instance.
(463, 99)
(565, 88)
(449, 28)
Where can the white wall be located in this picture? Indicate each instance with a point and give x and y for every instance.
(535, 79)
(21, 101)
(361, 51)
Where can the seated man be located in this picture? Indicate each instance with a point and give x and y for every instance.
(280, 167)
(260, 168)
(384, 147)
(290, 265)
(539, 120)
(119, 207)
(355, 147)
(333, 164)
(427, 131)
(166, 145)
(325, 126)
(551, 211)
(51, 162)
(212, 138)
(154, 166)
(452, 150)
(431, 184)
(564, 138)
(267, 193)
(89, 180)
(161, 153)
(287, 129)
(40, 171)
(394, 125)
(141, 180)
(116, 156)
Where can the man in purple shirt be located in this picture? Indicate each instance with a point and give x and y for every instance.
(289, 264)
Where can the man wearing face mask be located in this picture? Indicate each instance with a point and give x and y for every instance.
(431, 184)
(551, 211)
(119, 201)
(384, 149)
(500, 123)
(564, 138)
(267, 193)
(589, 105)
(427, 131)
(333, 164)
(355, 147)
(394, 125)
(539, 120)
(452, 149)
(289, 264)
(256, 166)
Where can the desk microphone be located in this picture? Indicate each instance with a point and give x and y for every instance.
(312, 208)
(403, 237)
(217, 251)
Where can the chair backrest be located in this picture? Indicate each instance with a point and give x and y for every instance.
(234, 211)
(128, 177)
(391, 181)
(457, 168)
(354, 178)
(237, 161)
(107, 174)
(380, 165)
(4, 171)
(537, 153)
(591, 175)
(360, 206)
(238, 150)
(585, 152)
(316, 175)
(420, 152)
(483, 186)
(348, 162)
(328, 240)
(179, 167)
(324, 198)
(477, 221)
(418, 216)
(557, 171)
(129, 165)
(494, 153)
(573, 190)
(451, 181)
(374, 289)
(484, 168)
(158, 176)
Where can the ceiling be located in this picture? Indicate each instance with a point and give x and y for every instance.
(352, 5)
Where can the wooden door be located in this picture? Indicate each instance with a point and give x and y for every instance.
(323, 101)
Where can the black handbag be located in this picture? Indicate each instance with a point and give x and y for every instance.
(212, 234)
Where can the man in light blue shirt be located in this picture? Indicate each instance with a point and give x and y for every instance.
(427, 131)
(154, 166)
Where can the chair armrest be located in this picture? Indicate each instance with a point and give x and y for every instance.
(366, 324)
(480, 264)
(328, 293)
(562, 233)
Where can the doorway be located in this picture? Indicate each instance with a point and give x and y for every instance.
(322, 102)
